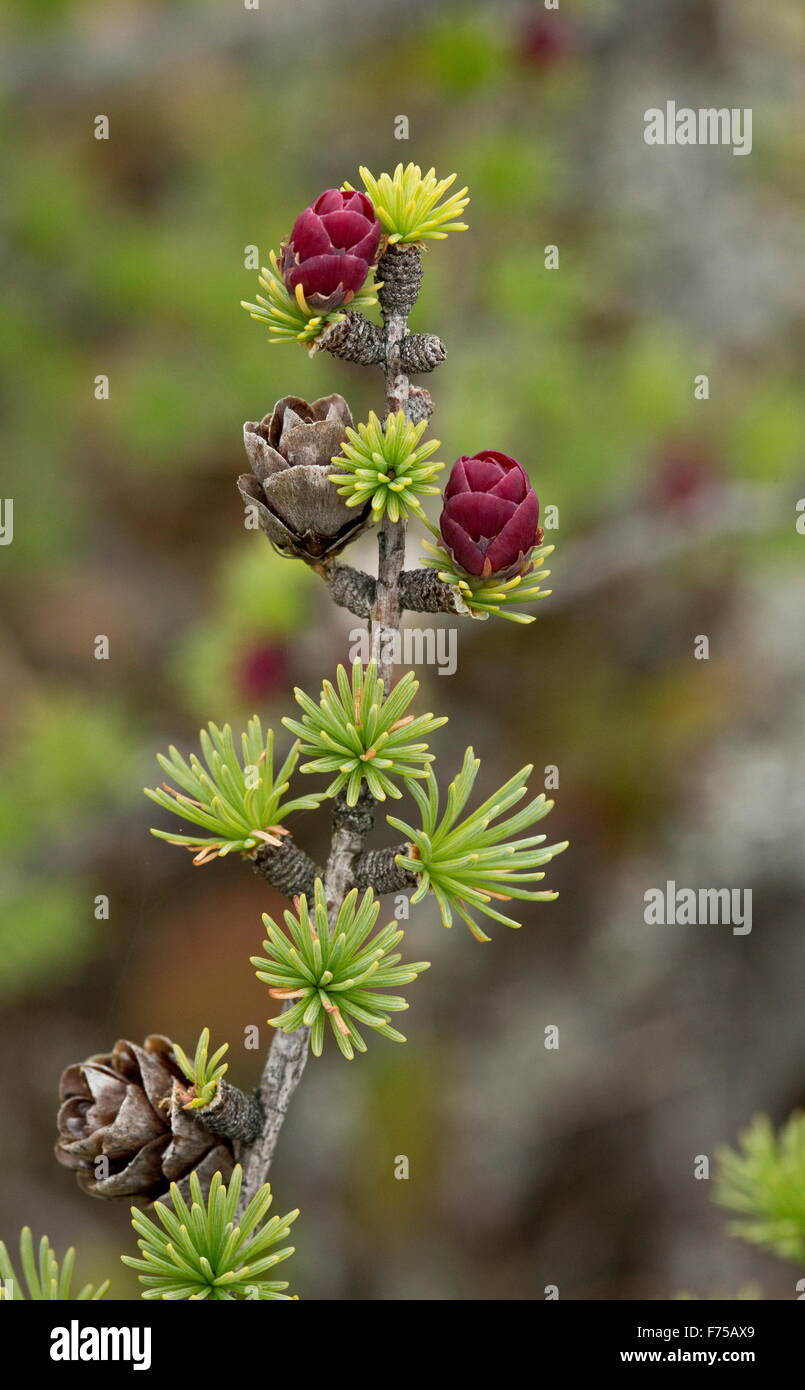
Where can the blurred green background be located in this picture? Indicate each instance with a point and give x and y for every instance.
(677, 517)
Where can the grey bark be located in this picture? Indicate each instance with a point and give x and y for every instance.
(376, 869)
(286, 867)
(352, 589)
(351, 825)
(386, 609)
(356, 339)
(419, 590)
(281, 1075)
(233, 1113)
(421, 352)
(422, 591)
(420, 405)
(400, 270)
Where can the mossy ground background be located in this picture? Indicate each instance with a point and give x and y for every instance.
(528, 1167)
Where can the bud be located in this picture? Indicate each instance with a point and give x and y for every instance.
(490, 518)
(331, 249)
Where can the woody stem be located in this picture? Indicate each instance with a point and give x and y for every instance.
(400, 269)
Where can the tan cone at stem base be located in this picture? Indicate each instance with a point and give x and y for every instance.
(290, 452)
(123, 1129)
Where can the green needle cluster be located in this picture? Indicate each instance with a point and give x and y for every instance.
(45, 1279)
(204, 1072)
(408, 204)
(383, 462)
(763, 1182)
(338, 973)
(203, 1251)
(471, 863)
(495, 595)
(242, 806)
(289, 318)
(362, 735)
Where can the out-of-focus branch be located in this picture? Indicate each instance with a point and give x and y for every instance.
(641, 541)
(152, 42)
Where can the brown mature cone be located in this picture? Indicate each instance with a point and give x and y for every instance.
(125, 1107)
(291, 452)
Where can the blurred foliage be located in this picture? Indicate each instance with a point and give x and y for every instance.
(45, 1278)
(261, 597)
(70, 758)
(764, 1182)
(128, 258)
(463, 53)
(68, 766)
(46, 930)
(750, 1293)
